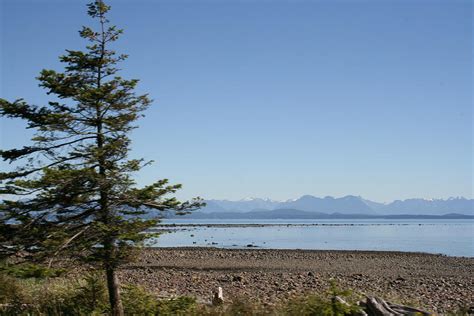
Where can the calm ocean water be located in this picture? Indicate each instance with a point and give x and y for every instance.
(449, 237)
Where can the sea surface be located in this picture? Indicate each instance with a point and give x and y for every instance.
(448, 237)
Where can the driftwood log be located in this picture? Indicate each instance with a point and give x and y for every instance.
(218, 297)
(375, 306)
(407, 310)
(378, 307)
(341, 300)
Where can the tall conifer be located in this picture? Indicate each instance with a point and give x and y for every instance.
(72, 192)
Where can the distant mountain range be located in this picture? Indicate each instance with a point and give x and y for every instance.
(309, 206)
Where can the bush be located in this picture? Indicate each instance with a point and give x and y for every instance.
(52, 296)
(92, 296)
(86, 296)
(325, 305)
(29, 270)
(245, 307)
(240, 306)
(137, 301)
(10, 293)
(182, 305)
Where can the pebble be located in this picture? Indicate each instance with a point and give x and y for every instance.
(437, 283)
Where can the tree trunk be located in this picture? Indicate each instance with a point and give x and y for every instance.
(114, 292)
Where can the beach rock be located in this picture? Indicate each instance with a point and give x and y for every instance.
(439, 283)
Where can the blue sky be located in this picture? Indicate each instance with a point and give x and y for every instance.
(277, 98)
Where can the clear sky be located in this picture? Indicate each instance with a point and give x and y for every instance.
(277, 98)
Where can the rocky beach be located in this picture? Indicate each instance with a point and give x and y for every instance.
(437, 283)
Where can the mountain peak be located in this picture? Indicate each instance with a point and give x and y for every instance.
(349, 204)
(306, 197)
(250, 199)
(352, 197)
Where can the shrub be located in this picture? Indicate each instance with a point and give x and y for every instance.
(92, 295)
(137, 301)
(11, 295)
(29, 270)
(52, 296)
(239, 306)
(246, 308)
(182, 305)
(325, 305)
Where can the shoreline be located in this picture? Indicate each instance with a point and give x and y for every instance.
(226, 225)
(356, 251)
(436, 282)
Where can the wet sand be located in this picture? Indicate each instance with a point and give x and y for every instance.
(435, 282)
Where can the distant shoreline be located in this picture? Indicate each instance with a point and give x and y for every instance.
(244, 225)
(268, 215)
(272, 215)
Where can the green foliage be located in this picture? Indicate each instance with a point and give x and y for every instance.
(10, 291)
(325, 305)
(313, 305)
(92, 294)
(86, 296)
(35, 297)
(137, 301)
(179, 306)
(30, 270)
(52, 296)
(238, 306)
(243, 307)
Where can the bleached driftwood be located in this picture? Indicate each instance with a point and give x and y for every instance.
(218, 298)
(342, 301)
(408, 310)
(378, 307)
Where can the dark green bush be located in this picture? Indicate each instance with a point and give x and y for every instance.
(92, 296)
(86, 296)
(29, 270)
(325, 305)
(243, 307)
(11, 295)
(239, 306)
(52, 296)
(137, 301)
(182, 305)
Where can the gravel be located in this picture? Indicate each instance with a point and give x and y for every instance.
(435, 282)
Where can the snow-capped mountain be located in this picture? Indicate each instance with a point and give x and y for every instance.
(244, 205)
(458, 205)
(346, 205)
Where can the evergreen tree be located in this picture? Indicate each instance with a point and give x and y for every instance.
(72, 192)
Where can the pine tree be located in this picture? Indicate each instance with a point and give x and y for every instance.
(72, 192)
